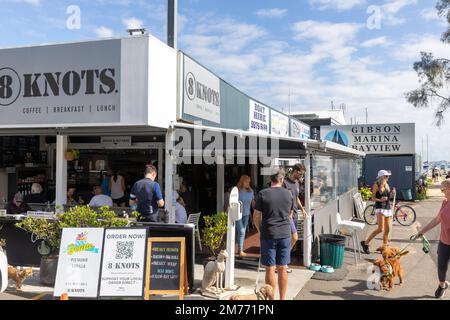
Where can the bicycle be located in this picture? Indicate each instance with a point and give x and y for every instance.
(404, 214)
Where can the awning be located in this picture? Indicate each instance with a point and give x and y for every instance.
(289, 146)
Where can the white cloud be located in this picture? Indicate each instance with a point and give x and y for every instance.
(133, 23)
(31, 2)
(328, 39)
(431, 14)
(411, 48)
(339, 5)
(319, 66)
(374, 42)
(104, 32)
(390, 10)
(271, 13)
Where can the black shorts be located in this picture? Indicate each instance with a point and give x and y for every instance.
(120, 200)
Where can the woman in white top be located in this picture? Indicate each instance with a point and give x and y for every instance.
(117, 186)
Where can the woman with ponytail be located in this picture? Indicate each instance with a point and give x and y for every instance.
(381, 195)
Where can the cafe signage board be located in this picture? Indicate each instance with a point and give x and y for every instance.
(61, 84)
(123, 262)
(201, 92)
(300, 130)
(279, 124)
(382, 139)
(259, 118)
(116, 142)
(166, 271)
(79, 261)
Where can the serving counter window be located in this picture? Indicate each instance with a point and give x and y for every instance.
(348, 172)
(323, 181)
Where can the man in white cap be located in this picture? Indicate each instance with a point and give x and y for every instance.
(381, 195)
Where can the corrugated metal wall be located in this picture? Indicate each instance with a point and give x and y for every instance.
(400, 179)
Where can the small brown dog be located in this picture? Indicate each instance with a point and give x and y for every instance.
(390, 266)
(19, 276)
(265, 293)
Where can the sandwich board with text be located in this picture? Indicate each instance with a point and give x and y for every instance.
(123, 262)
(79, 262)
(166, 267)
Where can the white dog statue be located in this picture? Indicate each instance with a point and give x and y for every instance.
(213, 275)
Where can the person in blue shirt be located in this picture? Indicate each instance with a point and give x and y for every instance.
(146, 193)
(247, 197)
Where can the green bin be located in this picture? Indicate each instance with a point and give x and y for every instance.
(407, 195)
(332, 250)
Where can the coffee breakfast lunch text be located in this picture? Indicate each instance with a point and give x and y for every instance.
(69, 109)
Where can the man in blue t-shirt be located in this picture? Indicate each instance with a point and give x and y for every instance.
(148, 196)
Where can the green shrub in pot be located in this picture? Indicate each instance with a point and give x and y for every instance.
(214, 232)
(50, 231)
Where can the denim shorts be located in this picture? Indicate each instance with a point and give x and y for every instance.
(293, 226)
(276, 252)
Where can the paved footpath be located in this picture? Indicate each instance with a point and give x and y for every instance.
(420, 268)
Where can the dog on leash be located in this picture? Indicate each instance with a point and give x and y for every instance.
(265, 293)
(390, 266)
(19, 275)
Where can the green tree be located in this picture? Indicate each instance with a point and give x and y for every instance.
(434, 75)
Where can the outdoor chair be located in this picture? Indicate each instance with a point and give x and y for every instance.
(352, 227)
(194, 218)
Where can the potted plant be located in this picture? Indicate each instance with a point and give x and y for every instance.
(214, 234)
(366, 195)
(72, 154)
(50, 231)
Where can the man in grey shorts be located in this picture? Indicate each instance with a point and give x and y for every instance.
(272, 214)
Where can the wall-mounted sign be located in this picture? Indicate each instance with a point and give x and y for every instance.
(79, 262)
(259, 118)
(279, 124)
(201, 90)
(116, 141)
(300, 130)
(408, 168)
(123, 263)
(398, 138)
(60, 84)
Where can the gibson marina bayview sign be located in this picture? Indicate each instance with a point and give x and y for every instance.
(398, 138)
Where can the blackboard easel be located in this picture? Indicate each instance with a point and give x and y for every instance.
(182, 276)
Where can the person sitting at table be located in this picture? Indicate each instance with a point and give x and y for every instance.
(36, 195)
(71, 196)
(17, 205)
(100, 200)
(180, 210)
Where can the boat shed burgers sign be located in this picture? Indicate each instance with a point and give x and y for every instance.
(61, 84)
(391, 139)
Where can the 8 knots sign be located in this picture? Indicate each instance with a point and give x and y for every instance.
(59, 84)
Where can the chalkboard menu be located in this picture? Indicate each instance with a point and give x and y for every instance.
(166, 267)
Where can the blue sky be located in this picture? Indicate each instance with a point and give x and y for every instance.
(319, 50)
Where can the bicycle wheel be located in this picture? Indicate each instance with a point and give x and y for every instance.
(369, 215)
(405, 215)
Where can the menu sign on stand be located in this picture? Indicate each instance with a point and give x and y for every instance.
(123, 263)
(79, 262)
(166, 267)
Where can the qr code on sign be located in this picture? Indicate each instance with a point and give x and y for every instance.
(124, 250)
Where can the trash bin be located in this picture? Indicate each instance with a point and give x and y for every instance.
(407, 194)
(332, 250)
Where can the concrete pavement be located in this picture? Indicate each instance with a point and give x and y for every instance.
(420, 268)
